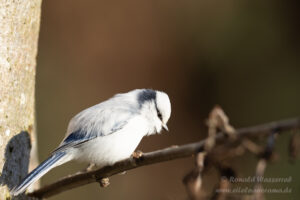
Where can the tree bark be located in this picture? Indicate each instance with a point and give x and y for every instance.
(19, 29)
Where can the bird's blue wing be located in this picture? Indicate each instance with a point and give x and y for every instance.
(74, 139)
(79, 137)
(99, 121)
(76, 136)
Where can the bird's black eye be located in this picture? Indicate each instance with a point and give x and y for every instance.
(159, 115)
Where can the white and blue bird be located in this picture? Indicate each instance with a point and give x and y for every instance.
(107, 132)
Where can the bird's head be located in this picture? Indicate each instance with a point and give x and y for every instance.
(156, 107)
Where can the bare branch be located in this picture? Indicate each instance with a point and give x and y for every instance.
(167, 154)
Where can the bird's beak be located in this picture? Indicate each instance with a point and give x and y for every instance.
(165, 127)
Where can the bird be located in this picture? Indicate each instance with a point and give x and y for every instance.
(107, 132)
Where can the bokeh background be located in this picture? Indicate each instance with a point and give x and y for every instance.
(242, 55)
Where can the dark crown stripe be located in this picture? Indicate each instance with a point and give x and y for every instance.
(146, 95)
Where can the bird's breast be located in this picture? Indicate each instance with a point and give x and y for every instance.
(107, 150)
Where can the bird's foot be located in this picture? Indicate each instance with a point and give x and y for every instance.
(123, 173)
(89, 168)
(137, 154)
(104, 182)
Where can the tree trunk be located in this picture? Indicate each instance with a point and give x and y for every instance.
(19, 29)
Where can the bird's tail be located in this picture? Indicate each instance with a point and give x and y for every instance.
(53, 161)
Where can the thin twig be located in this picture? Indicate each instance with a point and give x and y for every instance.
(294, 146)
(261, 166)
(217, 120)
(193, 180)
(167, 154)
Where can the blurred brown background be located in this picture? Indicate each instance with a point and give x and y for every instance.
(242, 55)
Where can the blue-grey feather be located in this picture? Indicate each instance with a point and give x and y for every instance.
(74, 139)
(78, 137)
(43, 166)
(75, 136)
(118, 126)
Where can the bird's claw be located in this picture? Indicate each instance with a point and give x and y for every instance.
(137, 154)
(123, 173)
(91, 167)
